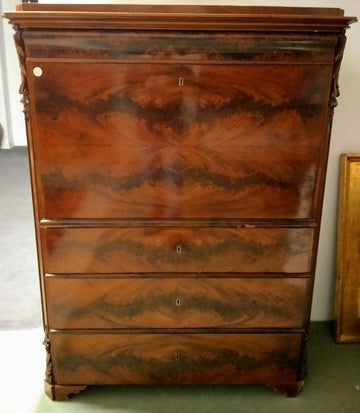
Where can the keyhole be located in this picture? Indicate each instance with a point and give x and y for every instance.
(181, 81)
(177, 357)
(178, 249)
(178, 302)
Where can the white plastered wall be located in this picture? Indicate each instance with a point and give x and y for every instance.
(11, 116)
(345, 136)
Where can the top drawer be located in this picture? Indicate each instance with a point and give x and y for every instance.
(179, 141)
(175, 46)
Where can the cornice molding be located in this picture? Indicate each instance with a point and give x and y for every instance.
(251, 19)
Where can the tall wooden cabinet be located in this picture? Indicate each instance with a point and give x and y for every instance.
(178, 159)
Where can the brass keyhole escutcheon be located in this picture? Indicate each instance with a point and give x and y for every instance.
(181, 81)
(179, 249)
(177, 357)
(178, 302)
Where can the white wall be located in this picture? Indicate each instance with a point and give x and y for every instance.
(5, 122)
(345, 136)
(11, 116)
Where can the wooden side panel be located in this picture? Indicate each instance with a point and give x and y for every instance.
(175, 303)
(175, 359)
(156, 250)
(179, 141)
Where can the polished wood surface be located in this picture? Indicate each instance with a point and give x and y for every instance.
(178, 159)
(155, 17)
(200, 150)
(182, 302)
(175, 358)
(215, 47)
(156, 250)
(183, 8)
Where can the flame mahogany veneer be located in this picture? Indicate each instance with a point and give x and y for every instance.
(178, 158)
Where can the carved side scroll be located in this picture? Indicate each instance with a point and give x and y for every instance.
(49, 377)
(20, 48)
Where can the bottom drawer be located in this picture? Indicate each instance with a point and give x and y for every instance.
(175, 358)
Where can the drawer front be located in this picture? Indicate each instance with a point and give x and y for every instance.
(179, 141)
(174, 359)
(214, 47)
(84, 303)
(189, 250)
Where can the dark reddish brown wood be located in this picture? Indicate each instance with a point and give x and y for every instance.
(181, 17)
(186, 303)
(177, 154)
(181, 9)
(139, 46)
(175, 358)
(157, 250)
(201, 150)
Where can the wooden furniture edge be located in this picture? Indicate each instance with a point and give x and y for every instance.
(167, 17)
(58, 392)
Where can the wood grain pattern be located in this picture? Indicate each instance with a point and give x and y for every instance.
(180, 46)
(175, 303)
(175, 358)
(129, 142)
(142, 250)
(198, 18)
(212, 11)
(178, 158)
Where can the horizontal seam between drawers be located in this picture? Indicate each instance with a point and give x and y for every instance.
(181, 275)
(180, 331)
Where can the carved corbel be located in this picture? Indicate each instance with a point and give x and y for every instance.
(20, 48)
(49, 376)
(335, 90)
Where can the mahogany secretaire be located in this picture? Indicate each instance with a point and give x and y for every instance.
(178, 158)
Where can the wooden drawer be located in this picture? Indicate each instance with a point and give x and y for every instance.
(216, 47)
(189, 250)
(174, 359)
(132, 141)
(86, 303)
